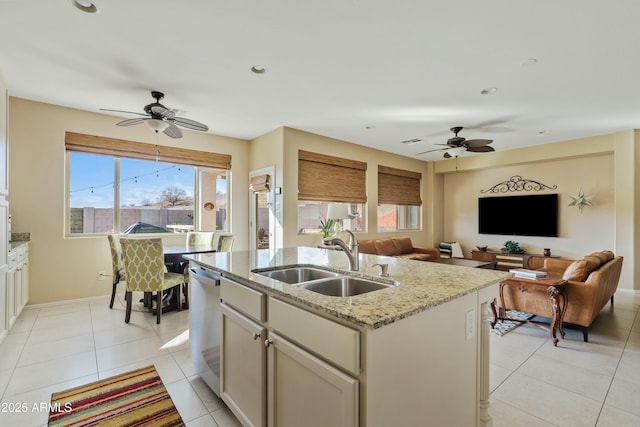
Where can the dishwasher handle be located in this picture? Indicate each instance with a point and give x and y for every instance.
(205, 277)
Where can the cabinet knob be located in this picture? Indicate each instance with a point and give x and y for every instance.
(267, 343)
(256, 335)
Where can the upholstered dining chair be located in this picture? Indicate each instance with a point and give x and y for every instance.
(200, 238)
(225, 242)
(145, 271)
(117, 264)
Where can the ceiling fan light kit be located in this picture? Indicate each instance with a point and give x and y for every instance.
(457, 145)
(157, 125)
(161, 119)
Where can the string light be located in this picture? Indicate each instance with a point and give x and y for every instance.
(134, 178)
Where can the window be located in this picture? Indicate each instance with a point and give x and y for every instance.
(326, 179)
(399, 199)
(310, 213)
(112, 187)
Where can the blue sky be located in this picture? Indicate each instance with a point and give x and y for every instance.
(91, 180)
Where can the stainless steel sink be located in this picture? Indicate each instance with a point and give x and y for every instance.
(325, 282)
(344, 286)
(295, 275)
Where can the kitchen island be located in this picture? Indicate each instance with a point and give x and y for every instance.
(410, 354)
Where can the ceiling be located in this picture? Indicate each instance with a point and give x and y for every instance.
(372, 72)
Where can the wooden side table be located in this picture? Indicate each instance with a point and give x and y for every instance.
(557, 301)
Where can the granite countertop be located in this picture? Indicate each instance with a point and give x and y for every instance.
(422, 285)
(18, 240)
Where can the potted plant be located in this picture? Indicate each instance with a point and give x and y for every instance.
(326, 224)
(512, 247)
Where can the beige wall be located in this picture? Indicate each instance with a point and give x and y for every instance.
(295, 140)
(604, 166)
(66, 268)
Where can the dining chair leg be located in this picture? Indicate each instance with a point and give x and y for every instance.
(148, 300)
(185, 291)
(159, 307)
(128, 297)
(113, 293)
(178, 296)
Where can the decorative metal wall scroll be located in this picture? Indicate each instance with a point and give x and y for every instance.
(518, 183)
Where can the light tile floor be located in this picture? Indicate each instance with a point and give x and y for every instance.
(578, 384)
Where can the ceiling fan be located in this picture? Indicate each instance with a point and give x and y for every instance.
(161, 119)
(457, 145)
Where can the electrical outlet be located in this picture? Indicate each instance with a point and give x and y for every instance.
(470, 330)
(101, 275)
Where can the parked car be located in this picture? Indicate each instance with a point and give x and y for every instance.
(143, 227)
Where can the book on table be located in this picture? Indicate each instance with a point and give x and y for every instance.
(528, 274)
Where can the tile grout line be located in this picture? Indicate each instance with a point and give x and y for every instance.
(613, 377)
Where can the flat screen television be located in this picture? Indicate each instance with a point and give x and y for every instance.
(530, 215)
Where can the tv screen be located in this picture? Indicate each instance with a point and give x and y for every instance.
(531, 215)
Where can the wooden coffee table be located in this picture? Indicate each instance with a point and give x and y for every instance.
(465, 262)
(557, 302)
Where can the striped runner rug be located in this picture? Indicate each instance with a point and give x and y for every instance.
(136, 398)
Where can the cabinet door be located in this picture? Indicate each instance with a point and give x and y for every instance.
(25, 280)
(243, 367)
(11, 297)
(306, 391)
(4, 326)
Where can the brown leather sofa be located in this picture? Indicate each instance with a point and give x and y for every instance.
(400, 247)
(591, 282)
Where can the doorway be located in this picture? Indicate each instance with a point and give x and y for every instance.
(261, 197)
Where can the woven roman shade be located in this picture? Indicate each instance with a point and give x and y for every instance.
(259, 184)
(398, 187)
(139, 150)
(331, 179)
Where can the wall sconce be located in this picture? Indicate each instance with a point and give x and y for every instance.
(581, 200)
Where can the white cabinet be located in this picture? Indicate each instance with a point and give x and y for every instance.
(243, 370)
(305, 390)
(286, 369)
(17, 283)
(12, 289)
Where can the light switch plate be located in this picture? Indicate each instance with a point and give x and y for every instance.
(470, 329)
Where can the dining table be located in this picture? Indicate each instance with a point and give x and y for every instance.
(176, 264)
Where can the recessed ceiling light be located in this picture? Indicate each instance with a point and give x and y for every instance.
(489, 90)
(258, 69)
(544, 132)
(85, 6)
(369, 127)
(528, 62)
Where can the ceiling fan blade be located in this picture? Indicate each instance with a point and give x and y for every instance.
(131, 122)
(477, 142)
(163, 111)
(481, 149)
(431, 151)
(190, 124)
(173, 131)
(121, 111)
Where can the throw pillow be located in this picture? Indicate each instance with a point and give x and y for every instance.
(385, 247)
(403, 244)
(577, 271)
(366, 247)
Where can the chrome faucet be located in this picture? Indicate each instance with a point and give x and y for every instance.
(351, 251)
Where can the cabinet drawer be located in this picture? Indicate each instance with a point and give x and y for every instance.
(13, 258)
(336, 343)
(243, 298)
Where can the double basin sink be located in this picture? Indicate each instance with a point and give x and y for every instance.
(325, 282)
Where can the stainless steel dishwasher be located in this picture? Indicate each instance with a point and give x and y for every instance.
(205, 325)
